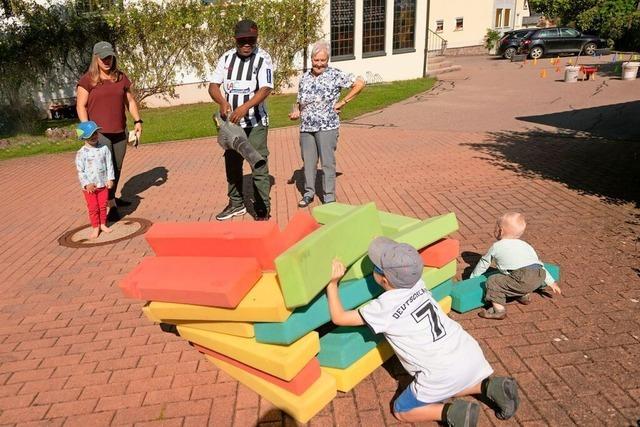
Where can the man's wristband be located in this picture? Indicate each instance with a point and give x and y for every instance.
(138, 121)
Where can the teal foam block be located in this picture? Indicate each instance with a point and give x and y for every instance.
(305, 319)
(391, 223)
(469, 294)
(345, 345)
(442, 290)
(417, 235)
(305, 268)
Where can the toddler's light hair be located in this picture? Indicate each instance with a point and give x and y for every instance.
(512, 224)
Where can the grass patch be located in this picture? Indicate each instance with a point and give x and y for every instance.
(194, 120)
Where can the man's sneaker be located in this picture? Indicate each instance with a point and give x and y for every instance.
(230, 211)
(462, 414)
(503, 391)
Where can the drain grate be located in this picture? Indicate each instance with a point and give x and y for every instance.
(124, 229)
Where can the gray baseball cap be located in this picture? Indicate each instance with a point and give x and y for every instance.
(400, 262)
(103, 49)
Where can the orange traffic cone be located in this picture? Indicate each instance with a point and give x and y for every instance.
(557, 69)
(535, 61)
(543, 73)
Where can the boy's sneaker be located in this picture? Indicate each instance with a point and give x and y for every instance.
(230, 211)
(462, 414)
(503, 391)
(492, 313)
(524, 299)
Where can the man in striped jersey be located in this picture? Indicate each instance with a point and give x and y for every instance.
(246, 76)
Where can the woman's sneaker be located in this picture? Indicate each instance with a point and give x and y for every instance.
(462, 414)
(503, 391)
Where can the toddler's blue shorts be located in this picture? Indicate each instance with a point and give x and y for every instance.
(407, 401)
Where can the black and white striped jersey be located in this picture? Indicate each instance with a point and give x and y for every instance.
(240, 78)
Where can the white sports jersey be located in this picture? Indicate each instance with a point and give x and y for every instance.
(443, 358)
(240, 78)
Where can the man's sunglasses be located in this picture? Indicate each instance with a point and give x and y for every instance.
(246, 41)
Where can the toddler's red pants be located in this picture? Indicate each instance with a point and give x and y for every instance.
(97, 206)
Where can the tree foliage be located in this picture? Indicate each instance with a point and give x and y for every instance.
(613, 19)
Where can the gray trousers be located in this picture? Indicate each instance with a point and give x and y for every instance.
(314, 145)
(520, 282)
(117, 144)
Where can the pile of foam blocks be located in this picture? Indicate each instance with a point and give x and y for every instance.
(250, 297)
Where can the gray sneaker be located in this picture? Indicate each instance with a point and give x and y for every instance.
(503, 391)
(462, 414)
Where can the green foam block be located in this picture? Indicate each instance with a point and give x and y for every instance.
(391, 223)
(432, 277)
(443, 290)
(417, 235)
(469, 294)
(305, 268)
(305, 319)
(345, 345)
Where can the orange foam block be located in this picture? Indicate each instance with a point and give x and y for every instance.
(299, 226)
(297, 385)
(251, 239)
(217, 282)
(440, 253)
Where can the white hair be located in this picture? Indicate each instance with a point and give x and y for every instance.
(319, 46)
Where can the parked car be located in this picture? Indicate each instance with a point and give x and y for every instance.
(508, 44)
(552, 41)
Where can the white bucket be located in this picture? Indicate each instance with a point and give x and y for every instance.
(571, 73)
(630, 70)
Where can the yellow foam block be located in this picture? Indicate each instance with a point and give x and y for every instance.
(238, 329)
(146, 310)
(263, 303)
(348, 378)
(282, 361)
(445, 304)
(302, 408)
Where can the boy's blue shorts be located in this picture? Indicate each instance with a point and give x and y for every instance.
(407, 401)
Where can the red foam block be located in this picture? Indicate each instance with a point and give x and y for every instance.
(300, 225)
(217, 282)
(252, 239)
(297, 385)
(440, 253)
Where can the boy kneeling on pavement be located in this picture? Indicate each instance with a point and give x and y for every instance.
(445, 361)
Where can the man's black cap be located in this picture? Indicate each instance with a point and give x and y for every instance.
(246, 28)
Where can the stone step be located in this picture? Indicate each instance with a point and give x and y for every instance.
(433, 73)
(436, 59)
(439, 65)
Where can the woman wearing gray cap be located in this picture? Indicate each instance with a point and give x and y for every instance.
(104, 94)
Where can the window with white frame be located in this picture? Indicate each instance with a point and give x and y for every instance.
(459, 24)
(503, 18)
(404, 24)
(439, 25)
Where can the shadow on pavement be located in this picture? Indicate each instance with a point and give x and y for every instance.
(138, 184)
(593, 166)
(615, 121)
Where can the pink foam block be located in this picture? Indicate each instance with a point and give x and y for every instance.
(300, 225)
(440, 253)
(297, 385)
(252, 239)
(217, 282)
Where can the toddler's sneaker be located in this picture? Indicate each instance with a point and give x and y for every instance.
(503, 391)
(462, 414)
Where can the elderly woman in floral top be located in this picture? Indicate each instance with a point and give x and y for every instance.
(318, 108)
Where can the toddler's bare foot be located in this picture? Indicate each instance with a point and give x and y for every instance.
(106, 229)
(95, 232)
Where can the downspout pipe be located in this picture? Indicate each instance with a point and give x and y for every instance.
(426, 41)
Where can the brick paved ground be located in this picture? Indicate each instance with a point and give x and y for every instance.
(73, 351)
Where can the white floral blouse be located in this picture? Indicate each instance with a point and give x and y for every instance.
(317, 95)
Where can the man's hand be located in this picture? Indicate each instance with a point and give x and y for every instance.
(225, 109)
(239, 113)
(91, 188)
(337, 270)
(555, 288)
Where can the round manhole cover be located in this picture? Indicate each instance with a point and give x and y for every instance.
(124, 229)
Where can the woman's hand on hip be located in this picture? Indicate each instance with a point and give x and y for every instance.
(294, 116)
(338, 107)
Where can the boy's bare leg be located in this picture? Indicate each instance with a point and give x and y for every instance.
(433, 411)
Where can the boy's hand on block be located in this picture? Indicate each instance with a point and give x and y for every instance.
(337, 270)
(555, 288)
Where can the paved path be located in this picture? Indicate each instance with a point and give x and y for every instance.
(73, 351)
